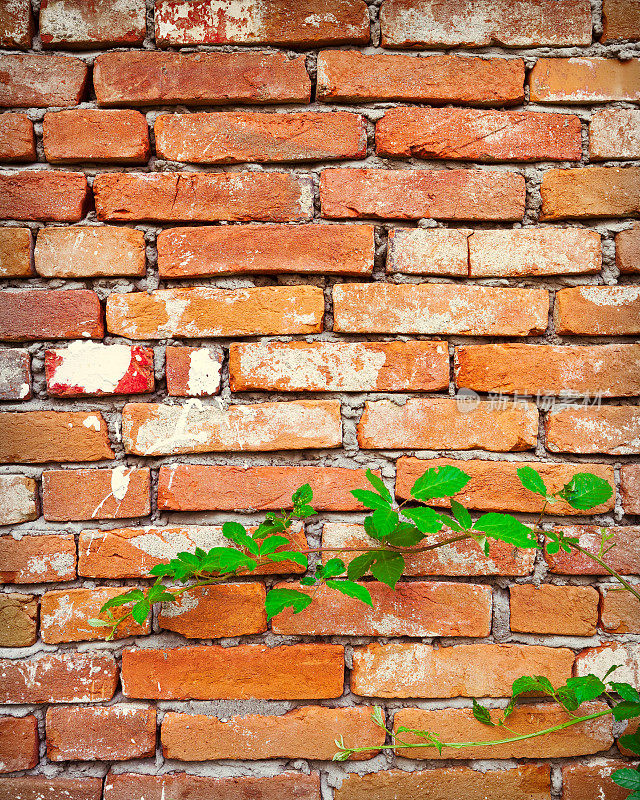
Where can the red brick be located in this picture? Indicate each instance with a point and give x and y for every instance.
(17, 142)
(44, 196)
(284, 22)
(630, 488)
(115, 136)
(92, 23)
(462, 194)
(213, 612)
(295, 672)
(604, 429)
(591, 192)
(193, 371)
(584, 80)
(59, 678)
(472, 670)
(413, 609)
(229, 137)
(208, 487)
(18, 499)
(611, 370)
(18, 620)
(41, 80)
(35, 437)
(43, 558)
(598, 310)
(495, 486)
(33, 314)
(15, 375)
(307, 732)
(116, 733)
(229, 249)
(429, 251)
(615, 133)
(439, 308)
(454, 23)
(628, 250)
(19, 743)
(95, 252)
(65, 615)
(620, 611)
(16, 26)
(339, 366)
(458, 133)
(358, 77)
(592, 780)
(15, 253)
(624, 558)
(79, 494)
(151, 79)
(597, 660)
(565, 610)
(37, 787)
(620, 20)
(92, 369)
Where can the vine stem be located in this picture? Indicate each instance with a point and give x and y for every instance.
(609, 569)
(408, 550)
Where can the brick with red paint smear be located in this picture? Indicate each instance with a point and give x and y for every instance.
(19, 743)
(490, 136)
(591, 192)
(611, 370)
(628, 250)
(17, 142)
(85, 494)
(33, 314)
(562, 610)
(237, 137)
(584, 80)
(624, 557)
(598, 311)
(151, 79)
(495, 486)
(619, 611)
(597, 660)
(193, 371)
(204, 487)
(15, 375)
(614, 133)
(455, 23)
(358, 77)
(404, 669)
(59, 678)
(461, 194)
(65, 615)
(28, 81)
(15, 253)
(289, 672)
(421, 251)
(37, 787)
(292, 23)
(18, 499)
(630, 488)
(307, 732)
(18, 619)
(89, 252)
(593, 780)
(82, 24)
(16, 24)
(42, 558)
(103, 136)
(620, 20)
(44, 196)
(115, 733)
(604, 429)
(90, 369)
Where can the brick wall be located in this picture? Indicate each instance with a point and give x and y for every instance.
(265, 243)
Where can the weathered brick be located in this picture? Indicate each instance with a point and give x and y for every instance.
(29, 315)
(16, 24)
(495, 486)
(17, 142)
(439, 308)
(454, 23)
(229, 137)
(628, 250)
(193, 371)
(611, 370)
(339, 366)
(584, 80)
(150, 79)
(37, 787)
(429, 251)
(566, 610)
(624, 557)
(458, 725)
(460, 133)
(65, 615)
(213, 612)
(614, 133)
(15, 253)
(591, 192)
(95, 252)
(358, 77)
(604, 429)
(59, 678)
(598, 310)
(35, 437)
(43, 558)
(597, 660)
(631, 727)
(592, 780)
(114, 136)
(79, 494)
(307, 732)
(204, 487)
(620, 611)
(15, 375)
(98, 23)
(45, 196)
(41, 80)
(116, 733)
(18, 499)
(19, 743)
(470, 670)
(463, 194)
(266, 248)
(620, 20)
(18, 620)
(630, 488)
(301, 671)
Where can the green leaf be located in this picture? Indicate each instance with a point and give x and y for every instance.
(271, 543)
(123, 599)
(461, 514)
(370, 528)
(140, 611)
(98, 623)
(378, 717)
(304, 511)
(370, 499)
(388, 567)
(360, 566)
(627, 778)
(566, 696)
(290, 555)
(302, 496)
(482, 714)
(189, 558)
(631, 741)
(585, 491)
(158, 592)
(426, 519)
(626, 692)
(333, 567)
(160, 570)
(279, 599)
(352, 589)
(385, 521)
(404, 535)
(308, 581)
(532, 481)
(626, 710)
(507, 529)
(378, 485)
(227, 559)
(586, 688)
(237, 533)
(439, 482)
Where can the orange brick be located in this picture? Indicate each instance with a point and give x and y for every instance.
(429, 251)
(37, 787)
(116, 733)
(584, 80)
(76, 23)
(92, 369)
(598, 310)
(193, 371)
(628, 250)
(31, 314)
(79, 494)
(339, 366)
(624, 558)
(611, 370)
(566, 610)
(606, 429)
(592, 780)
(18, 620)
(466, 670)
(120, 137)
(44, 196)
(630, 488)
(620, 20)
(614, 133)
(43, 558)
(16, 24)
(620, 611)
(15, 375)
(15, 253)
(307, 732)
(28, 81)
(89, 252)
(18, 499)
(358, 77)
(266, 248)
(17, 142)
(295, 672)
(19, 743)
(439, 308)
(597, 660)
(591, 192)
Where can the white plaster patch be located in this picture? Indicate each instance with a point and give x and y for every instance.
(92, 422)
(204, 372)
(610, 295)
(92, 366)
(17, 500)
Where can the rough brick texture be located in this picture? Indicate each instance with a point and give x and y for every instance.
(35, 437)
(15, 253)
(101, 136)
(44, 196)
(37, 80)
(18, 743)
(97, 23)
(17, 142)
(95, 494)
(38, 559)
(18, 620)
(81, 252)
(18, 499)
